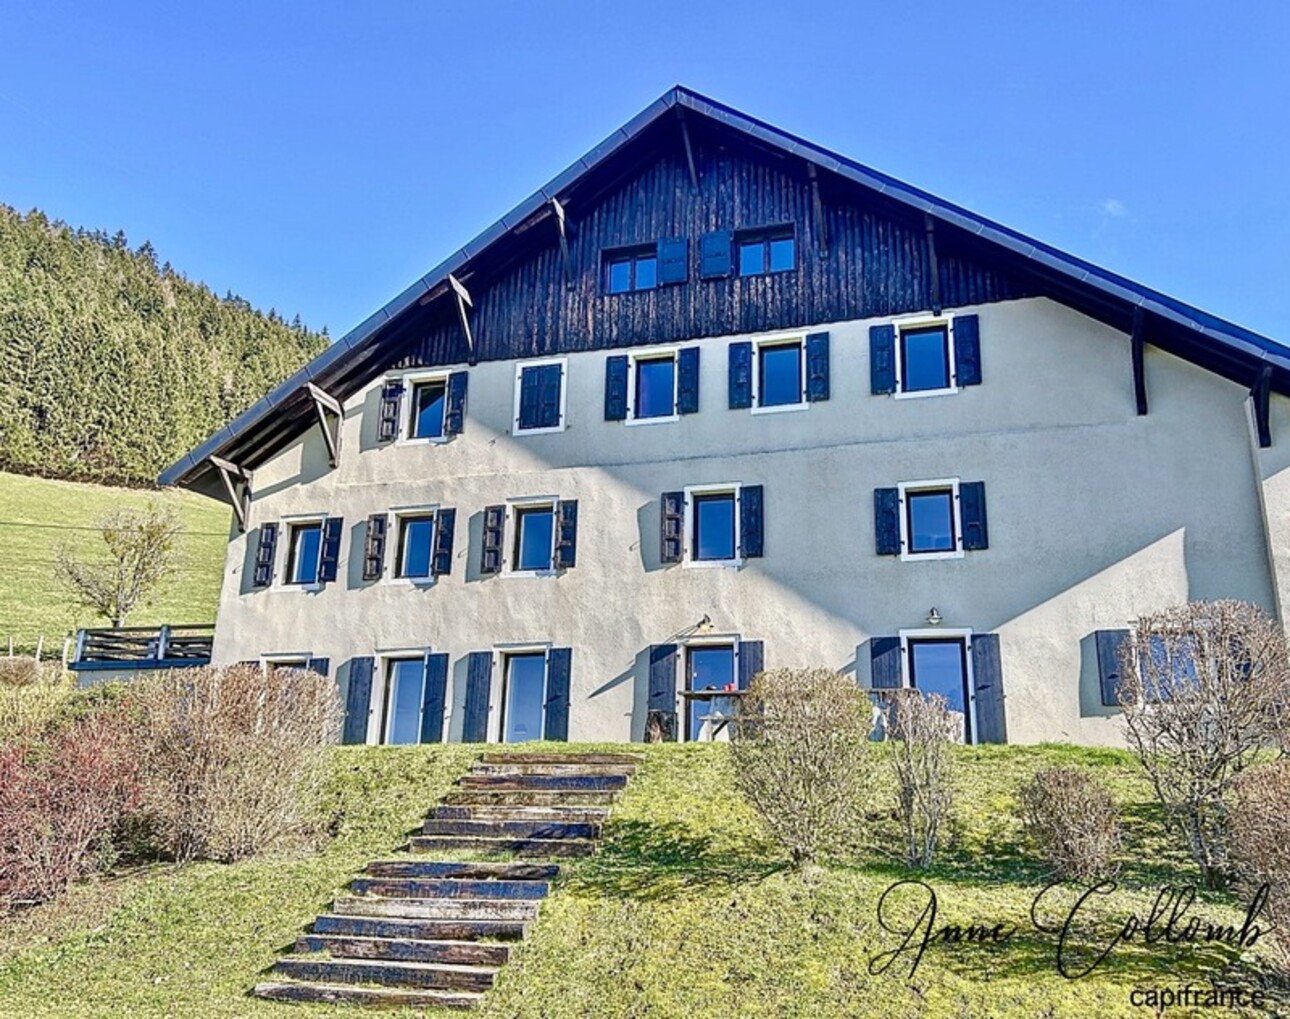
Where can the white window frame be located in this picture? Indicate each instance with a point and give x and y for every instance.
(378, 702)
(390, 572)
(285, 658)
(778, 340)
(944, 634)
(653, 354)
(913, 325)
(938, 484)
(286, 524)
(563, 362)
(687, 558)
(410, 381)
(683, 647)
(510, 533)
(496, 728)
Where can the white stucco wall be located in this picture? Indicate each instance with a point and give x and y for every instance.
(1095, 515)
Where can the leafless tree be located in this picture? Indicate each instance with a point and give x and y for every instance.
(140, 555)
(921, 731)
(1204, 687)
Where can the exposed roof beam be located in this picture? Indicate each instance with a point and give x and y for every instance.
(817, 210)
(324, 403)
(1259, 394)
(1138, 344)
(689, 149)
(464, 302)
(558, 209)
(237, 483)
(934, 265)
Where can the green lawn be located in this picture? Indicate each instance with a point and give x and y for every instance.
(37, 515)
(684, 912)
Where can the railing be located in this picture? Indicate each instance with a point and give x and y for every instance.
(143, 647)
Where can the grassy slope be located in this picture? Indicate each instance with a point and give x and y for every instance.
(685, 912)
(34, 515)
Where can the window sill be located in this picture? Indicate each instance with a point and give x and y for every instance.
(311, 588)
(530, 573)
(919, 394)
(412, 581)
(423, 440)
(914, 557)
(709, 564)
(781, 408)
(517, 430)
(669, 419)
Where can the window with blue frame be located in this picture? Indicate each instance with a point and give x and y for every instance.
(654, 395)
(534, 538)
(416, 546)
(1167, 663)
(711, 667)
(938, 666)
(779, 374)
(303, 552)
(628, 269)
(429, 401)
(929, 521)
(539, 401)
(404, 695)
(925, 359)
(766, 251)
(713, 520)
(524, 698)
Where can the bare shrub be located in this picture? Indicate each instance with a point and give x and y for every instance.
(1260, 832)
(802, 758)
(61, 799)
(1073, 822)
(922, 730)
(21, 670)
(139, 553)
(234, 757)
(37, 701)
(1203, 687)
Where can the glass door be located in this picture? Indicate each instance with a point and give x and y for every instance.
(711, 668)
(404, 695)
(939, 666)
(524, 697)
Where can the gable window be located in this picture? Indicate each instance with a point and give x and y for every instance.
(304, 550)
(938, 666)
(404, 696)
(416, 546)
(429, 401)
(779, 375)
(540, 396)
(534, 538)
(630, 269)
(523, 696)
(925, 359)
(654, 388)
(766, 251)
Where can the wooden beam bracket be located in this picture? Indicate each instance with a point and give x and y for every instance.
(817, 211)
(1260, 394)
(558, 209)
(1139, 343)
(689, 148)
(463, 303)
(325, 404)
(237, 483)
(933, 262)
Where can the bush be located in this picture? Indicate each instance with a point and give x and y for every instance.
(233, 757)
(923, 729)
(1260, 844)
(802, 758)
(20, 670)
(36, 700)
(1203, 687)
(61, 799)
(1073, 822)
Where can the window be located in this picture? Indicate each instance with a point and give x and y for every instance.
(523, 696)
(714, 537)
(930, 524)
(404, 695)
(654, 391)
(925, 359)
(709, 667)
(939, 665)
(766, 251)
(416, 547)
(1167, 662)
(285, 662)
(539, 396)
(534, 541)
(779, 374)
(631, 269)
(429, 401)
(303, 552)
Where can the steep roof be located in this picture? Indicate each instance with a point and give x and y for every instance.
(1221, 346)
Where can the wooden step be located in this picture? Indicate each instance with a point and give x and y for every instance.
(380, 997)
(531, 797)
(453, 953)
(437, 909)
(422, 975)
(476, 871)
(520, 757)
(535, 848)
(528, 783)
(439, 929)
(509, 812)
(448, 888)
(512, 829)
(551, 769)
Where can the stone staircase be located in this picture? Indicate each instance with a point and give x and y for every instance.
(419, 932)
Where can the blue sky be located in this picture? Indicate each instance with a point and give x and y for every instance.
(318, 157)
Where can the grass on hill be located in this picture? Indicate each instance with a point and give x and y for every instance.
(685, 911)
(37, 515)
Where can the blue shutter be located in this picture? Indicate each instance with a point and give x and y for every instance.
(967, 350)
(319, 665)
(530, 397)
(687, 380)
(445, 527)
(374, 546)
(882, 359)
(987, 682)
(454, 419)
(387, 422)
(436, 696)
(556, 723)
(751, 522)
(976, 534)
(886, 520)
(673, 260)
(740, 375)
(329, 552)
(264, 551)
(616, 371)
(358, 700)
(490, 560)
(479, 677)
(715, 254)
(662, 690)
(884, 659)
(551, 376)
(751, 661)
(1110, 650)
(566, 535)
(672, 531)
(817, 366)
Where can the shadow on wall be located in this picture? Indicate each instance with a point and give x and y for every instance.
(638, 675)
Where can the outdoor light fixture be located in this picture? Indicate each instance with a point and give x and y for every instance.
(933, 617)
(704, 624)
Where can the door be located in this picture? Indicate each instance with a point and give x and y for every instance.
(524, 698)
(939, 666)
(710, 668)
(404, 695)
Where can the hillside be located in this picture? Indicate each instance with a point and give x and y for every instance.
(685, 911)
(112, 365)
(37, 514)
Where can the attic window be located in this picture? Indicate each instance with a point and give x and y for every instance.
(766, 251)
(628, 269)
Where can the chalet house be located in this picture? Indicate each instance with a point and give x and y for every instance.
(716, 399)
